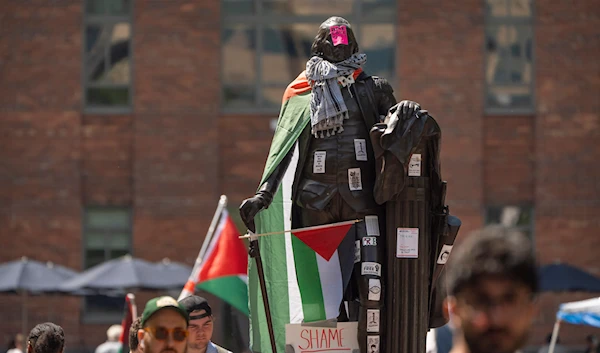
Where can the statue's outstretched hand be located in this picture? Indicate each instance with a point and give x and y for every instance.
(249, 208)
(406, 109)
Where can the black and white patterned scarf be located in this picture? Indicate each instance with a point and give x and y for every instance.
(327, 107)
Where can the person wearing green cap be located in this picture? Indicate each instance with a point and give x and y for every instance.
(164, 326)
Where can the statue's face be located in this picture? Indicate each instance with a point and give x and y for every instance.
(335, 41)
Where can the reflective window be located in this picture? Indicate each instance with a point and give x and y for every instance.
(509, 56)
(266, 44)
(107, 57)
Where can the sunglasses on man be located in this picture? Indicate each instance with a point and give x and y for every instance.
(162, 333)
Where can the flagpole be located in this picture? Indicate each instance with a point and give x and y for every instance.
(254, 252)
(207, 239)
(131, 297)
(323, 226)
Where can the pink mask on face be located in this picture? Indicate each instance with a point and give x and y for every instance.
(338, 35)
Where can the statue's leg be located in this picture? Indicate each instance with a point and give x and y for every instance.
(369, 275)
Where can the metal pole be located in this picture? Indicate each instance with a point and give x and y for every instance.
(554, 336)
(24, 314)
(254, 252)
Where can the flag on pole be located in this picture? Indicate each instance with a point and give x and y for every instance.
(223, 270)
(302, 285)
(129, 314)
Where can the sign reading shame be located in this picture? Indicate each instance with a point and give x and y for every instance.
(308, 339)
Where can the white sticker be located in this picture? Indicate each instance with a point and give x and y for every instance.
(408, 243)
(371, 268)
(369, 241)
(373, 344)
(372, 223)
(374, 289)
(354, 180)
(372, 320)
(319, 162)
(444, 254)
(357, 251)
(360, 149)
(414, 167)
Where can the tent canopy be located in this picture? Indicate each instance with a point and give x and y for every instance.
(584, 312)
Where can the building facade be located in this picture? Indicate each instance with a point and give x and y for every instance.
(122, 121)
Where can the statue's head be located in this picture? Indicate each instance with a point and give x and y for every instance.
(335, 40)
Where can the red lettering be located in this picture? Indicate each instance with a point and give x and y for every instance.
(340, 340)
(323, 340)
(333, 336)
(315, 339)
(306, 339)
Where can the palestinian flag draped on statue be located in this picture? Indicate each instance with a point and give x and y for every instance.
(302, 285)
(223, 269)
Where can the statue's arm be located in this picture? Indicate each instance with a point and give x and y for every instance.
(263, 198)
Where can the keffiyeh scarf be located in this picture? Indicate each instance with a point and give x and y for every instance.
(327, 107)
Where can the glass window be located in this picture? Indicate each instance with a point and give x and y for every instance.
(107, 235)
(107, 58)
(266, 44)
(519, 217)
(509, 56)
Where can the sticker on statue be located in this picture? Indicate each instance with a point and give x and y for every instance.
(372, 224)
(357, 251)
(371, 268)
(374, 289)
(444, 254)
(360, 149)
(354, 179)
(369, 241)
(373, 344)
(372, 320)
(319, 162)
(339, 35)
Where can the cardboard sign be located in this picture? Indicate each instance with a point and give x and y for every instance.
(301, 338)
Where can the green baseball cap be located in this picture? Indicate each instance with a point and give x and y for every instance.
(156, 304)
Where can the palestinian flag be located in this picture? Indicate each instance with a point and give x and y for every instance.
(129, 314)
(223, 269)
(302, 286)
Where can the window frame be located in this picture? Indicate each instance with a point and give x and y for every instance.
(509, 20)
(259, 20)
(89, 19)
(106, 317)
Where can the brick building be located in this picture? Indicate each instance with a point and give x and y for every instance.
(137, 115)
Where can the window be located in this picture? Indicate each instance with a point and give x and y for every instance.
(266, 44)
(107, 55)
(107, 235)
(509, 56)
(518, 217)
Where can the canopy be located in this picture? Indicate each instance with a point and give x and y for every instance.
(559, 277)
(32, 276)
(584, 312)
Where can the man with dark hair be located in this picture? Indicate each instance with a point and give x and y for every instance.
(492, 281)
(164, 326)
(46, 338)
(136, 325)
(201, 326)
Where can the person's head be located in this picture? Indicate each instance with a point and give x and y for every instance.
(164, 326)
(592, 341)
(114, 333)
(492, 282)
(136, 325)
(335, 40)
(46, 338)
(16, 342)
(201, 321)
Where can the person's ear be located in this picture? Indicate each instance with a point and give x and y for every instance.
(449, 307)
(29, 348)
(140, 335)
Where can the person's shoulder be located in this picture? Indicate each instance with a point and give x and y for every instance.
(221, 349)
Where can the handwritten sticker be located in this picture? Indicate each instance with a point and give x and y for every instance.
(374, 289)
(373, 344)
(360, 149)
(414, 166)
(444, 254)
(408, 243)
(354, 179)
(372, 223)
(319, 162)
(372, 320)
(339, 35)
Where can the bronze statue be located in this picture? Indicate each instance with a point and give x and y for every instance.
(336, 167)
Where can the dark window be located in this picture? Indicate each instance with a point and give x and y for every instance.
(107, 235)
(107, 56)
(508, 56)
(266, 44)
(519, 217)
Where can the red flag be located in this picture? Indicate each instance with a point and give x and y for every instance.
(325, 239)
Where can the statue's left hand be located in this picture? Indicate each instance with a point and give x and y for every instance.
(406, 109)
